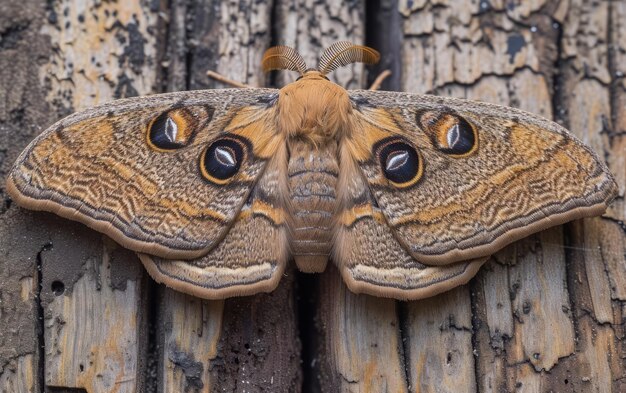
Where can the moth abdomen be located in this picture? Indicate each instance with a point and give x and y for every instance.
(312, 178)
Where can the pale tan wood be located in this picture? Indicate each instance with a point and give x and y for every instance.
(243, 37)
(192, 329)
(19, 376)
(543, 330)
(598, 258)
(102, 51)
(481, 51)
(362, 342)
(613, 238)
(311, 26)
(92, 333)
(438, 335)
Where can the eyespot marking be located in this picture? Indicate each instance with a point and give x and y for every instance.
(399, 161)
(449, 132)
(177, 127)
(222, 159)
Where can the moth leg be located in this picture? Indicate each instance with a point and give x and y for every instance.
(379, 80)
(221, 78)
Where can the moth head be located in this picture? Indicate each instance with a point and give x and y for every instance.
(337, 55)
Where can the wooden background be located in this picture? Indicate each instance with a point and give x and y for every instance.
(79, 314)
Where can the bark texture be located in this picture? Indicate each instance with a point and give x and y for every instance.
(78, 313)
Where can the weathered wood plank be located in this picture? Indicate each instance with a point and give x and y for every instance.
(591, 42)
(93, 292)
(242, 344)
(313, 25)
(438, 343)
(94, 313)
(23, 113)
(361, 349)
(191, 329)
(19, 314)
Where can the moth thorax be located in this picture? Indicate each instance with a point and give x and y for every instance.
(314, 109)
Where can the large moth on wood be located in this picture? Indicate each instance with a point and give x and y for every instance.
(217, 190)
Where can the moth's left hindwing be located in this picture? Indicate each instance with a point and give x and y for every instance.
(252, 256)
(455, 181)
(166, 175)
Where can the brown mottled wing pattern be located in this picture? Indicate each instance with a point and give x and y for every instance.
(371, 259)
(99, 167)
(523, 174)
(252, 256)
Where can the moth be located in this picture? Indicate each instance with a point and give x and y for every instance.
(218, 190)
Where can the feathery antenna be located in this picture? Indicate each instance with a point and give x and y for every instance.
(343, 53)
(337, 55)
(283, 58)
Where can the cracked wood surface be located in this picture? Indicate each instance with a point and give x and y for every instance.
(544, 314)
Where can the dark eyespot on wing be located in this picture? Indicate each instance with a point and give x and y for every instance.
(450, 133)
(460, 138)
(164, 133)
(399, 162)
(222, 160)
(177, 127)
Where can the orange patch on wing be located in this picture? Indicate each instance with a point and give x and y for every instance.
(349, 216)
(275, 214)
(190, 210)
(532, 141)
(370, 127)
(256, 125)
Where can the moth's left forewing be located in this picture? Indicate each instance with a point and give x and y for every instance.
(135, 168)
(484, 175)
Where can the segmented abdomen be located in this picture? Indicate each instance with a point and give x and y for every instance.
(313, 174)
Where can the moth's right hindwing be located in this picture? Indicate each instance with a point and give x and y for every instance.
(371, 259)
